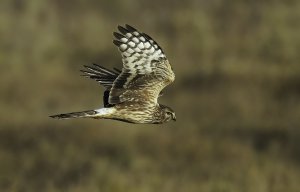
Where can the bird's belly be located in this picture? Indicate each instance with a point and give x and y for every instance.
(134, 114)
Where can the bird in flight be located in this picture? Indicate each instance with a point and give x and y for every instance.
(131, 93)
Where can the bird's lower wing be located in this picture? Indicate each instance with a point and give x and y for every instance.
(102, 75)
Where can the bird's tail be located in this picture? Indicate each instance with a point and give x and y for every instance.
(80, 114)
(98, 114)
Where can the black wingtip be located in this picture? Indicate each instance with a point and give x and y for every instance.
(130, 28)
(86, 66)
(117, 70)
(123, 30)
(118, 35)
(86, 73)
(91, 68)
(95, 64)
(117, 43)
(146, 36)
(98, 66)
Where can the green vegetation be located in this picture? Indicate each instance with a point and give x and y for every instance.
(236, 97)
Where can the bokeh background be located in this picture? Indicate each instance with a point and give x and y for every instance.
(236, 96)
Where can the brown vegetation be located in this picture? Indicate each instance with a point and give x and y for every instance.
(236, 97)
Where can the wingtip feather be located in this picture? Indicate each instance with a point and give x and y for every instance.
(117, 43)
(130, 28)
(118, 35)
(123, 30)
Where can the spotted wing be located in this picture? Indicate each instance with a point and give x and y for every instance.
(145, 66)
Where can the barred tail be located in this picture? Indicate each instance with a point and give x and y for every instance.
(80, 114)
(99, 113)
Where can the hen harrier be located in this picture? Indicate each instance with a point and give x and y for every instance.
(131, 94)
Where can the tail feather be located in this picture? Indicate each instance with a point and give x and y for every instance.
(80, 114)
(97, 114)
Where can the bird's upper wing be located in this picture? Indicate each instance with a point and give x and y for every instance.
(146, 70)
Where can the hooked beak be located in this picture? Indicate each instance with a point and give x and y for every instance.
(174, 117)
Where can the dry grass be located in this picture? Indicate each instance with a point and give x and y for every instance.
(236, 97)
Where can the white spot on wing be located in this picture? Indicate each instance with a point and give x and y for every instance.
(123, 47)
(147, 45)
(151, 50)
(135, 40)
(126, 54)
(132, 44)
(130, 50)
(138, 52)
(141, 45)
(124, 40)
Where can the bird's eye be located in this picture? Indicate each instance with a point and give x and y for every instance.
(169, 113)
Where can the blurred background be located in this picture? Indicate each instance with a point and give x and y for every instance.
(236, 96)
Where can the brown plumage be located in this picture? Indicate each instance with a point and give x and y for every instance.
(131, 94)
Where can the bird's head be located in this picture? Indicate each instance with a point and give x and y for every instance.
(167, 114)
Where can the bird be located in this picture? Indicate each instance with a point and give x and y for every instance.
(131, 94)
